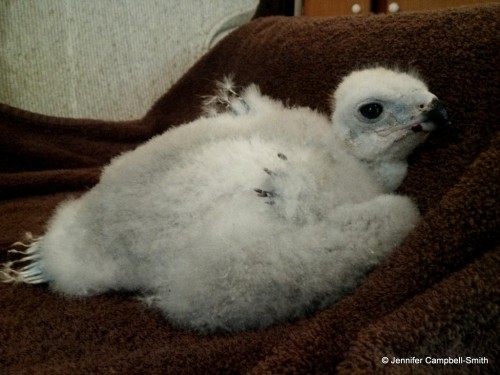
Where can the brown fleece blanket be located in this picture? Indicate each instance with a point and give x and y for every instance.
(436, 296)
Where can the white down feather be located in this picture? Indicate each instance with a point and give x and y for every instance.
(246, 218)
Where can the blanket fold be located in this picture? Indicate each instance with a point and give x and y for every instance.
(436, 296)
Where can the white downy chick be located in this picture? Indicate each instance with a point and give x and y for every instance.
(249, 217)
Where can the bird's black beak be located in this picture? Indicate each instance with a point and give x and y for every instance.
(433, 116)
(437, 114)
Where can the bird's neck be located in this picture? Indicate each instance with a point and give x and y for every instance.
(388, 172)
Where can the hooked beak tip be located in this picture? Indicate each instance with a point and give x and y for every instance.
(436, 113)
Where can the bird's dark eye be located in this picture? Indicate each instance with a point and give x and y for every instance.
(371, 110)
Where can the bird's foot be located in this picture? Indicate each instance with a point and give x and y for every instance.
(271, 195)
(226, 99)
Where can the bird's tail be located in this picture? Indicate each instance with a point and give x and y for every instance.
(31, 272)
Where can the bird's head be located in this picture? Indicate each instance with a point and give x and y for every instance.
(381, 114)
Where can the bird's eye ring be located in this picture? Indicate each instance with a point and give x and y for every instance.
(371, 110)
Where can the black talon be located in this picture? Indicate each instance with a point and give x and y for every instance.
(282, 156)
(264, 193)
(269, 172)
(259, 192)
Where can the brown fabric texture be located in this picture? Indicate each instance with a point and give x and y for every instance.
(436, 295)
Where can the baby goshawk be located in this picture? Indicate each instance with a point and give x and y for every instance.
(253, 214)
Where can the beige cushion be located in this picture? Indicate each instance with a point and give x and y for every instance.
(105, 59)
